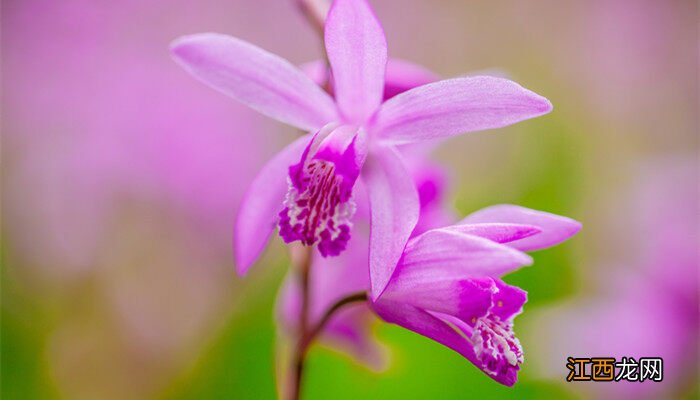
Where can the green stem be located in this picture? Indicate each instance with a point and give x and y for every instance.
(307, 336)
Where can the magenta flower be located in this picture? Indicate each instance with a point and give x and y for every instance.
(446, 285)
(308, 187)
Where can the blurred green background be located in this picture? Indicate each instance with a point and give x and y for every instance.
(122, 175)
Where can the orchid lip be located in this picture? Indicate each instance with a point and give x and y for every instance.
(495, 345)
(321, 212)
(319, 207)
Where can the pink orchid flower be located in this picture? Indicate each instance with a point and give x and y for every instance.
(446, 287)
(447, 284)
(307, 188)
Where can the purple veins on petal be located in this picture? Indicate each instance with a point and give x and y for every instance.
(318, 208)
(496, 346)
(473, 316)
(319, 211)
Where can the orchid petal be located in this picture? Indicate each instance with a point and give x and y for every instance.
(357, 52)
(404, 75)
(441, 330)
(497, 232)
(505, 376)
(446, 254)
(401, 75)
(454, 106)
(394, 212)
(431, 180)
(467, 298)
(424, 323)
(555, 229)
(508, 301)
(257, 214)
(259, 79)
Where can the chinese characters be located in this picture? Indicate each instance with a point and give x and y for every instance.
(607, 369)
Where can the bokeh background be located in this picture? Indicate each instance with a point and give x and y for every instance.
(121, 178)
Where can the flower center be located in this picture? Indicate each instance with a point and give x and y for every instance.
(496, 346)
(318, 209)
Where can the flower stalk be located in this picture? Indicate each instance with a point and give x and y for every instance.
(307, 334)
(315, 12)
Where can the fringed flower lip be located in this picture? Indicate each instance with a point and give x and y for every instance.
(357, 53)
(318, 208)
